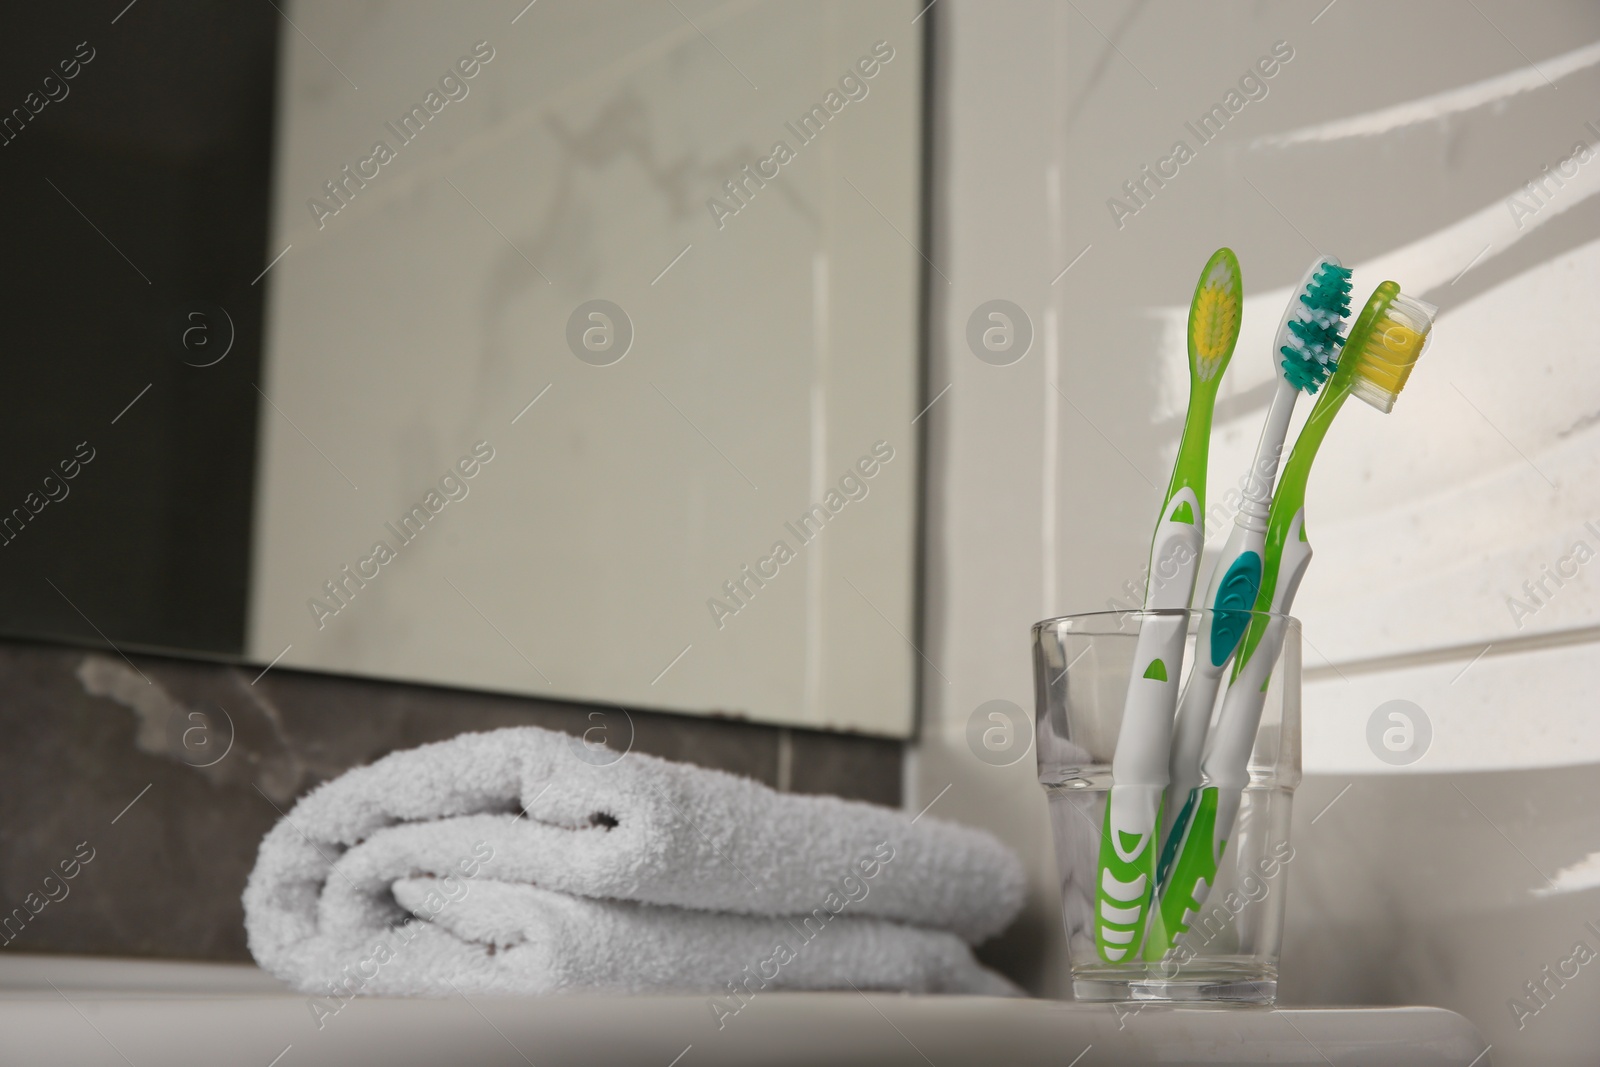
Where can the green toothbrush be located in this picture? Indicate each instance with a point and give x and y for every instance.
(1129, 840)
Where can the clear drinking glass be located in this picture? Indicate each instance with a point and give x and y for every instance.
(1229, 951)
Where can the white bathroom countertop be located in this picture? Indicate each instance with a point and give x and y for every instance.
(66, 1011)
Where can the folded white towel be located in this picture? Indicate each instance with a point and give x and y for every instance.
(534, 870)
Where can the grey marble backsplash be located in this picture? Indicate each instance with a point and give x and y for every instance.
(152, 780)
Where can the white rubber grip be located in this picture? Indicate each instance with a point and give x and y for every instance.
(1146, 732)
(1194, 714)
(1227, 756)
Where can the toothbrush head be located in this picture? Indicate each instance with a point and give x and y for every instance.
(1385, 344)
(1215, 315)
(1308, 338)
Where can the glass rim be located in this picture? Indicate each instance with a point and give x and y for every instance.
(1067, 622)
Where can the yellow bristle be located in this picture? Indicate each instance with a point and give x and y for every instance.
(1214, 325)
(1397, 339)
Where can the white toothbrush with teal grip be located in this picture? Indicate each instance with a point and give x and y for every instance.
(1130, 837)
(1382, 348)
(1304, 351)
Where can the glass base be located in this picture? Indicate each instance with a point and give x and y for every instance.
(1189, 989)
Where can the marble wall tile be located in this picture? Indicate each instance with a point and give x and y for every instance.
(152, 780)
(867, 768)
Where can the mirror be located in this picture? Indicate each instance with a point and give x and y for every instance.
(583, 360)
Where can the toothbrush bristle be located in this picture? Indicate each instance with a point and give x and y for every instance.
(1311, 335)
(1215, 315)
(1390, 350)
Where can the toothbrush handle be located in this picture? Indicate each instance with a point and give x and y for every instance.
(1215, 803)
(1129, 844)
(1225, 768)
(1183, 770)
(1234, 583)
(1227, 754)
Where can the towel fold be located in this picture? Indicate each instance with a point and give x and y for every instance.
(503, 862)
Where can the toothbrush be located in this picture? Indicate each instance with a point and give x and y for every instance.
(1382, 348)
(1305, 350)
(1129, 839)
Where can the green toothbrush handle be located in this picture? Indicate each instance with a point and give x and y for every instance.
(1225, 768)
(1127, 872)
(1130, 840)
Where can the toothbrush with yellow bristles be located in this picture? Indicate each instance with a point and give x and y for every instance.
(1379, 354)
(1130, 838)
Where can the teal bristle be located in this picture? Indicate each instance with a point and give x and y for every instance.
(1311, 353)
(1329, 290)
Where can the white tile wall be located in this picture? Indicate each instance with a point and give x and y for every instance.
(1392, 138)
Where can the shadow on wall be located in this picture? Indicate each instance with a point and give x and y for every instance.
(1474, 892)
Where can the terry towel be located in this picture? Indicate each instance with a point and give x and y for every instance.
(503, 862)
